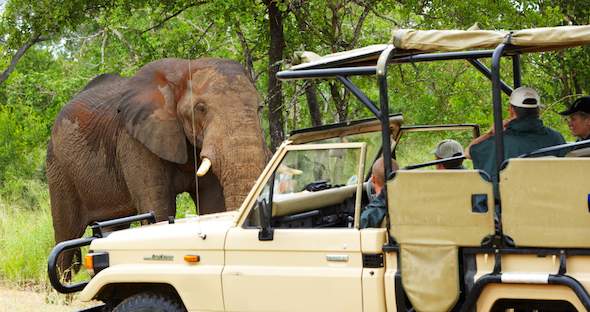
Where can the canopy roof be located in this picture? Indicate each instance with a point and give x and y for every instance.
(411, 41)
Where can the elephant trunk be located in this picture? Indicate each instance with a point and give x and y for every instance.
(243, 161)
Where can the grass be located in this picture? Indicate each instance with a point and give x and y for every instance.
(26, 235)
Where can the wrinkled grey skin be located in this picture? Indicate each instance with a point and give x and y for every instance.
(124, 146)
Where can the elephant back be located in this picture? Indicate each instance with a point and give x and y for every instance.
(101, 92)
(89, 122)
(103, 81)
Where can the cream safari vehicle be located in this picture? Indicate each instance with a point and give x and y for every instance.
(449, 241)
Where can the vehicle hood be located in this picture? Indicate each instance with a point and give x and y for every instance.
(199, 232)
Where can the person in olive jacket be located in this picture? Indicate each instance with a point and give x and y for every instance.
(373, 214)
(524, 132)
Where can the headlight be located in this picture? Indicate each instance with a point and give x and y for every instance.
(96, 262)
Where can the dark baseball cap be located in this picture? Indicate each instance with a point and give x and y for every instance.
(580, 105)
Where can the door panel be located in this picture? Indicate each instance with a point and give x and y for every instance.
(299, 270)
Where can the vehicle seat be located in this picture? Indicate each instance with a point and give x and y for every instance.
(433, 213)
(582, 152)
(546, 202)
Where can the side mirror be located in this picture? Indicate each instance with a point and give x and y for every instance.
(266, 232)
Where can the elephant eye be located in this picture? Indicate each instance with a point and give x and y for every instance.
(201, 107)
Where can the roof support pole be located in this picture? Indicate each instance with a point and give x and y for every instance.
(384, 105)
(326, 72)
(516, 70)
(385, 131)
(443, 56)
(497, 102)
(488, 73)
(361, 96)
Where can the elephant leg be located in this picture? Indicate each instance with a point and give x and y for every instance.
(148, 178)
(69, 221)
(210, 199)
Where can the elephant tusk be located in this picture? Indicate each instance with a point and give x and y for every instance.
(288, 170)
(204, 167)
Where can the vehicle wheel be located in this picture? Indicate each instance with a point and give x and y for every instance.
(149, 302)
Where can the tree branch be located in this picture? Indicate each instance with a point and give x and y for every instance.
(162, 22)
(18, 55)
(102, 46)
(359, 25)
(247, 52)
(129, 46)
(376, 13)
(201, 38)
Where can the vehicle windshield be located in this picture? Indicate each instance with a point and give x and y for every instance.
(373, 140)
(312, 169)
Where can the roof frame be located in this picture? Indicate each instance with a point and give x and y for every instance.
(341, 70)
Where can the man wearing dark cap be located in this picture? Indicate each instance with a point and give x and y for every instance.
(578, 118)
(524, 132)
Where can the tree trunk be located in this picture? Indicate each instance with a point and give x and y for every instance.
(299, 8)
(312, 103)
(340, 101)
(275, 56)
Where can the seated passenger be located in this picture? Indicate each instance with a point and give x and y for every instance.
(373, 214)
(446, 149)
(578, 118)
(524, 132)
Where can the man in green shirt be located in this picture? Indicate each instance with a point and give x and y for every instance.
(374, 213)
(524, 132)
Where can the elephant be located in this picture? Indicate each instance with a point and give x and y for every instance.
(124, 146)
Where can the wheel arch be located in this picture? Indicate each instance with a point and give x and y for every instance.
(114, 293)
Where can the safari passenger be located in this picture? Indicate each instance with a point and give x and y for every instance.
(578, 118)
(373, 214)
(447, 149)
(524, 132)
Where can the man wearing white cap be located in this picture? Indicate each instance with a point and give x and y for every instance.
(447, 149)
(524, 132)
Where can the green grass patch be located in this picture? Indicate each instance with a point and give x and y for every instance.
(26, 232)
(185, 207)
(26, 236)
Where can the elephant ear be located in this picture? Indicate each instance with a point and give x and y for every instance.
(148, 109)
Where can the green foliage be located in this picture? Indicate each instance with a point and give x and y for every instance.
(185, 206)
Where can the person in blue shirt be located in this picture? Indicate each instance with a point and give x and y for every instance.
(373, 214)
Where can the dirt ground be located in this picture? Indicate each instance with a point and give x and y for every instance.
(15, 300)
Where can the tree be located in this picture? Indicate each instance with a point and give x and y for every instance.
(275, 58)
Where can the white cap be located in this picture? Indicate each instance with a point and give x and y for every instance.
(448, 148)
(525, 97)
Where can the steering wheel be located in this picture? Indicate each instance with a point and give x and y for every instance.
(317, 186)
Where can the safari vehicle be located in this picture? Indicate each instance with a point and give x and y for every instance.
(295, 243)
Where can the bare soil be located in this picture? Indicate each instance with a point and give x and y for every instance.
(18, 300)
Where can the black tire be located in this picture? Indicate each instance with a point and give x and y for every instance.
(149, 302)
